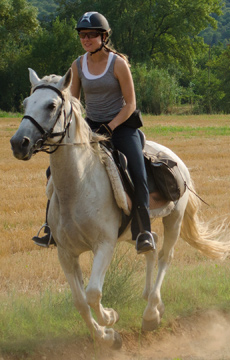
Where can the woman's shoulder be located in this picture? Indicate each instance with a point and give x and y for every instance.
(78, 62)
(79, 59)
(120, 65)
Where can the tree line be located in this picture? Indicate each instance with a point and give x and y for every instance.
(170, 62)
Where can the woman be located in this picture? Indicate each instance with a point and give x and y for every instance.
(107, 83)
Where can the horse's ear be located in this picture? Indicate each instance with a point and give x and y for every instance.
(65, 80)
(34, 79)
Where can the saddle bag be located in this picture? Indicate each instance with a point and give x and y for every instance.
(166, 175)
(135, 120)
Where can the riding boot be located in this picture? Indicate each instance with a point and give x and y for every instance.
(141, 230)
(46, 240)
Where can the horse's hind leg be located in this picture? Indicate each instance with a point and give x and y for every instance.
(151, 257)
(102, 260)
(155, 307)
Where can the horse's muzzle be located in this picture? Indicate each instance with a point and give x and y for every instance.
(21, 147)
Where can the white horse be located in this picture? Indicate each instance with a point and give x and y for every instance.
(83, 214)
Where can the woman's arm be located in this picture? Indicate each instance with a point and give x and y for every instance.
(124, 76)
(76, 83)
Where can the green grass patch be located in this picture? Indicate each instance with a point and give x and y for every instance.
(4, 114)
(186, 131)
(196, 287)
(28, 320)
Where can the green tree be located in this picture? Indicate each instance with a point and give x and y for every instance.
(18, 25)
(18, 22)
(222, 70)
(51, 51)
(165, 32)
(55, 48)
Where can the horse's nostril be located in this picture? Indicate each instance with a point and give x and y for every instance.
(25, 142)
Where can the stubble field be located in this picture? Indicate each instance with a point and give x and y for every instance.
(203, 144)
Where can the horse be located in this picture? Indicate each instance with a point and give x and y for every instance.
(83, 213)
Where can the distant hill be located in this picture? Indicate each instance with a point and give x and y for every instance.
(222, 34)
(46, 8)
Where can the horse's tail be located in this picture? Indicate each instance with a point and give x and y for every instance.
(201, 235)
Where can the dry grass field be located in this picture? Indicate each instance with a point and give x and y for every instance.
(26, 268)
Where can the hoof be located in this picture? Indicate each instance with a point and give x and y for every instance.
(117, 343)
(150, 325)
(113, 320)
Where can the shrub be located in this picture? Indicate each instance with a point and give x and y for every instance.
(156, 91)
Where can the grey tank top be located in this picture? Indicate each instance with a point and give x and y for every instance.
(103, 96)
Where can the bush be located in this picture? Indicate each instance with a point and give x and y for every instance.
(156, 91)
(208, 92)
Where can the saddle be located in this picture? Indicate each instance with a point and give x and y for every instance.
(163, 174)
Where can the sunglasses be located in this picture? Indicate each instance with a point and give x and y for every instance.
(90, 34)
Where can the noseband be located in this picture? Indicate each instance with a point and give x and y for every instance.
(39, 146)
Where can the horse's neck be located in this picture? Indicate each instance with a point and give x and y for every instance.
(71, 164)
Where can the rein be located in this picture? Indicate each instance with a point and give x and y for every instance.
(39, 146)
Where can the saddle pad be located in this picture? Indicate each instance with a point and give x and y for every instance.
(115, 179)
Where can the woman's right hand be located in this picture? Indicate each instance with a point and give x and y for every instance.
(104, 129)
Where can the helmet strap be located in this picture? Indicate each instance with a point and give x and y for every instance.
(99, 49)
(103, 43)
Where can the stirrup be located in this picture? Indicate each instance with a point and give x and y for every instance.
(150, 242)
(50, 236)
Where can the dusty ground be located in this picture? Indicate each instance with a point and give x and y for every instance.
(204, 336)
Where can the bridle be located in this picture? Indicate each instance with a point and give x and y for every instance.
(45, 134)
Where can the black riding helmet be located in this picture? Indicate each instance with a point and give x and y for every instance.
(95, 21)
(92, 20)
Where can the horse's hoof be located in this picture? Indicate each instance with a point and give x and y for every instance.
(113, 320)
(150, 325)
(117, 343)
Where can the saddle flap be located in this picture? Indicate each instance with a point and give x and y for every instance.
(122, 165)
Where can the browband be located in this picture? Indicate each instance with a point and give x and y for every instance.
(50, 87)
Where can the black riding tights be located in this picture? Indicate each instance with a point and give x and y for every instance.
(127, 140)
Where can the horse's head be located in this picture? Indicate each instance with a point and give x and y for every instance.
(47, 115)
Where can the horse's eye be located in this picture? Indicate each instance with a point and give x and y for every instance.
(51, 106)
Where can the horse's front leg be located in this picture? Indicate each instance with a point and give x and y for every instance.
(73, 273)
(102, 260)
(72, 270)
